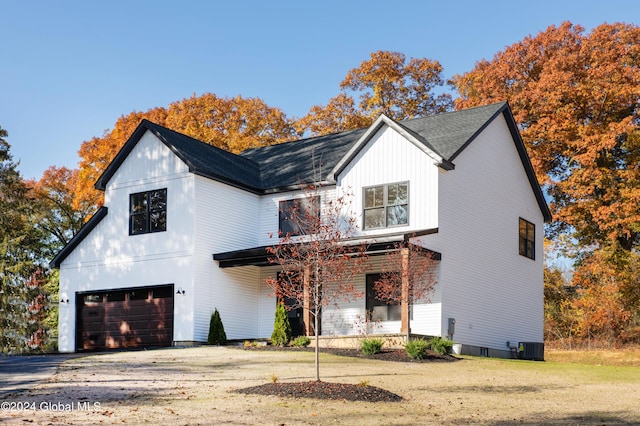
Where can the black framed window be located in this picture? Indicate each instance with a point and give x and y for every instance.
(527, 231)
(386, 205)
(380, 310)
(148, 212)
(299, 216)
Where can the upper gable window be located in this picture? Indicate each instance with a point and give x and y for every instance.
(299, 216)
(527, 231)
(386, 205)
(148, 212)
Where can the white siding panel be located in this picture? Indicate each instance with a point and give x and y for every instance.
(150, 159)
(266, 303)
(390, 158)
(110, 258)
(226, 219)
(237, 297)
(494, 294)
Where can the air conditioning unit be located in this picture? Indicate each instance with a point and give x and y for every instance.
(531, 351)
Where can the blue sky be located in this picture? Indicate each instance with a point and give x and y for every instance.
(71, 68)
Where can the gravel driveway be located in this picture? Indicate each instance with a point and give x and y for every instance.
(193, 386)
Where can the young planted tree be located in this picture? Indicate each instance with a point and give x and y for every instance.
(408, 278)
(317, 264)
(217, 335)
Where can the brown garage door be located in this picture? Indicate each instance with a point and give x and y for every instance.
(128, 318)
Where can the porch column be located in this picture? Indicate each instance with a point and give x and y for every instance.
(306, 305)
(404, 304)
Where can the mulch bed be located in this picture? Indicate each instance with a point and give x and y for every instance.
(324, 390)
(339, 391)
(397, 355)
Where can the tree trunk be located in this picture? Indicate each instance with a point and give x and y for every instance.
(316, 329)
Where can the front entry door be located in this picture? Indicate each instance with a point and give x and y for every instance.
(296, 319)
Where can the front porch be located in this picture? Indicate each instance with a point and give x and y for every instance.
(375, 248)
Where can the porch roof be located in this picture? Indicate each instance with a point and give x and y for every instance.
(259, 256)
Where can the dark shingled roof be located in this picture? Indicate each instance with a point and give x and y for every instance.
(201, 158)
(286, 166)
(449, 133)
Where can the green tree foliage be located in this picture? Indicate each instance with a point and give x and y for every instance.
(281, 328)
(23, 301)
(560, 320)
(217, 336)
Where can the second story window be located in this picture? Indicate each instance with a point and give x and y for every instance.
(386, 205)
(148, 212)
(299, 216)
(527, 231)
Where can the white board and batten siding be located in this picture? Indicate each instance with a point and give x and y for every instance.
(390, 158)
(110, 258)
(494, 293)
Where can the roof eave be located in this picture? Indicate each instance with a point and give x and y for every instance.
(371, 131)
(526, 163)
(80, 235)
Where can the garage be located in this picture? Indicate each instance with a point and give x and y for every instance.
(138, 317)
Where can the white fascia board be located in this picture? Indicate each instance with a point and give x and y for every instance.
(372, 130)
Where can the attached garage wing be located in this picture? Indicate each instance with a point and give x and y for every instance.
(127, 318)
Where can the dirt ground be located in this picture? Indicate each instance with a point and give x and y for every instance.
(197, 386)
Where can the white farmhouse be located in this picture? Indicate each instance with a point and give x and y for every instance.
(185, 227)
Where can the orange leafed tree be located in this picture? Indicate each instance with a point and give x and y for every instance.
(61, 214)
(601, 307)
(97, 153)
(384, 84)
(233, 124)
(575, 96)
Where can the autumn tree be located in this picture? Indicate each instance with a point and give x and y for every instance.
(384, 84)
(60, 214)
(22, 297)
(560, 316)
(233, 124)
(317, 268)
(575, 96)
(408, 278)
(96, 154)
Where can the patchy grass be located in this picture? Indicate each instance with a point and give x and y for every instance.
(196, 385)
(615, 357)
